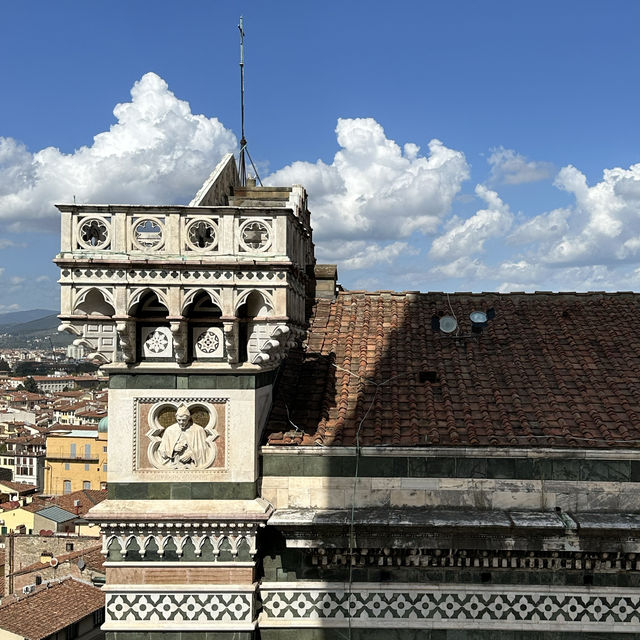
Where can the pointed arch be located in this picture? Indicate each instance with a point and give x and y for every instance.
(94, 302)
(252, 303)
(243, 549)
(147, 541)
(147, 299)
(225, 550)
(202, 301)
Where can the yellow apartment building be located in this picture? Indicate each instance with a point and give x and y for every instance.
(20, 518)
(76, 459)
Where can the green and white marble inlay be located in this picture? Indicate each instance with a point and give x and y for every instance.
(479, 605)
(180, 607)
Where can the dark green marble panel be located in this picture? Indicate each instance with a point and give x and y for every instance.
(566, 469)
(606, 470)
(283, 465)
(471, 468)
(190, 381)
(448, 467)
(182, 490)
(501, 468)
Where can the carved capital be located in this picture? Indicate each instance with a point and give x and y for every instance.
(179, 331)
(126, 330)
(231, 341)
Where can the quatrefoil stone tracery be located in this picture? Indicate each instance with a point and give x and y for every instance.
(255, 235)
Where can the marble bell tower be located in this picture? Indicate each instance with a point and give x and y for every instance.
(190, 310)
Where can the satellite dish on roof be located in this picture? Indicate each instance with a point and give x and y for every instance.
(81, 564)
(448, 324)
(478, 317)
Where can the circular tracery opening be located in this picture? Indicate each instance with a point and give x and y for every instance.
(147, 233)
(202, 235)
(255, 235)
(94, 233)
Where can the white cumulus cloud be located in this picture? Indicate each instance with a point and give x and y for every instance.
(156, 152)
(543, 227)
(362, 254)
(604, 225)
(468, 237)
(374, 188)
(510, 167)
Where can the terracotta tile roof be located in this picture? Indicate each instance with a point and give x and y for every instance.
(18, 487)
(50, 609)
(550, 370)
(87, 498)
(37, 504)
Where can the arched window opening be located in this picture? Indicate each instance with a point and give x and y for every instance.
(253, 306)
(154, 336)
(149, 308)
(202, 308)
(206, 328)
(94, 304)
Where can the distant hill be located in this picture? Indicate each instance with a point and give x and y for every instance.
(18, 317)
(35, 332)
(46, 324)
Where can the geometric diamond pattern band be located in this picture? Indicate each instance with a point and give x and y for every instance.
(489, 608)
(184, 607)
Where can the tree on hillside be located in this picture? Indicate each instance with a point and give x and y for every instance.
(4, 366)
(30, 385)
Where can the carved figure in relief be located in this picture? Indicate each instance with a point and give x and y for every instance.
(185, 444)
(184, 441)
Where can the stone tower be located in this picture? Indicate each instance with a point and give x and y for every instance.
(190, 309)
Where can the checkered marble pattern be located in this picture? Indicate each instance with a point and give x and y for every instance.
(185, 607)
(481, 607)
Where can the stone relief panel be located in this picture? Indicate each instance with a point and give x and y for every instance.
(178, 435)
(208, 342)
(157, 342)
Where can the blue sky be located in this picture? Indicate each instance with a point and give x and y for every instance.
(445, 146)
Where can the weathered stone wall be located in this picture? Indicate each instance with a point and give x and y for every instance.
(338, 493)
(65, 569)
(24, 550)
(499, 479)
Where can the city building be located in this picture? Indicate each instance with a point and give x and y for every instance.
(289, 460)
(24, 456)
(23, 552)
(76, 459)
(85, 565)
(19, 516)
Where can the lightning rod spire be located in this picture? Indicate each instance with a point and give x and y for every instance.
(242, 166)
